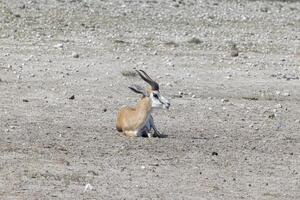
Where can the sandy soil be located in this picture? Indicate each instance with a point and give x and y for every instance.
(233, 127)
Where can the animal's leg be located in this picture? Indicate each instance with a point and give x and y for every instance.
(148, 127)
(156, 132)
(143, 133)
(130, 133)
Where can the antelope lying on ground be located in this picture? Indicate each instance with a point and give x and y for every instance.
(137, 121)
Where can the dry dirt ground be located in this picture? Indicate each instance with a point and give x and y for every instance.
(233, 127)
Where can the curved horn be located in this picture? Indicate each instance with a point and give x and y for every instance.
(146, 75)
(146, 78)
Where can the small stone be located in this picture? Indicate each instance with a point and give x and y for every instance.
(264, 9)
(143, 167)
(228, 77)
(59, 45)
(195, 41)
(214, 153)
(286, 94)
(224, 100)
(234, 52)
(88, 187)
(297, 120)
(104, 109)
(25, 100)
(72, 97)
(92, 172)
(278, 106)
(272, 116)
(75, 55)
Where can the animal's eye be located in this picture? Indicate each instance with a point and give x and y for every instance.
(155, 96)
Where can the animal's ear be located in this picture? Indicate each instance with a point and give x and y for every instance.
(138, 89)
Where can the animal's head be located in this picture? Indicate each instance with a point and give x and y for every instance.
(157, 100)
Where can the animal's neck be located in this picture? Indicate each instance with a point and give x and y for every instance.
(144, 109)
(144, 105)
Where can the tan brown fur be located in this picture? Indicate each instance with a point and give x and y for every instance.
(131, 119)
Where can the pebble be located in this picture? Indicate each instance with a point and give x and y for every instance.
(286, 94)
(278, 106)
(264, 9)
(228, 77)
(88, 187)
(72, 97)
(234, 52)
(272, 116)
(59, 45)
(75, 55)
(224, 100)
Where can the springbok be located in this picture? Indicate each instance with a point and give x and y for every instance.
(137, 121)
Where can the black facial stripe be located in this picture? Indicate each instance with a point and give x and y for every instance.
(155, 94)
(160, 101)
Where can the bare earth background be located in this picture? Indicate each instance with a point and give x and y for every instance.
(233, 127)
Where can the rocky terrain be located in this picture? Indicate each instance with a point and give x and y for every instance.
(230, 69)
